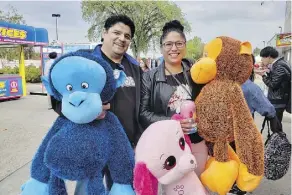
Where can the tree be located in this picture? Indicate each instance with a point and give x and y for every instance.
(195, 48)
(148, 16)
(10, 16)
(256, 51)
(29, 52)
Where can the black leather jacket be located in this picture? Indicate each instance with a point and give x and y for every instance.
(156, 93)
(278, 81)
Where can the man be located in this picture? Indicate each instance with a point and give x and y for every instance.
(52, 57)
(277, 77)
(116, 37)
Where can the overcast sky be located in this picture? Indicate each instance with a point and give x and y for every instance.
(244, 20)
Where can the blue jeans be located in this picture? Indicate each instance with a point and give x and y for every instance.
(81, 185)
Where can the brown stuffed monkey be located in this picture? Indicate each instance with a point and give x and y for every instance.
(224, 116)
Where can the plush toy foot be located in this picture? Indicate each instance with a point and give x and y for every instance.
(246, 181)
(34, 187)
(232, 155)
(121, 189)
(219, 177)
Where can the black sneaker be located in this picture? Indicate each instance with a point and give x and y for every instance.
(237, 191)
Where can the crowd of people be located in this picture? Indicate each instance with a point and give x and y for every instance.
(155, 93)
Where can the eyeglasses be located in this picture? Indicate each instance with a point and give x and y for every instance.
(178, 44)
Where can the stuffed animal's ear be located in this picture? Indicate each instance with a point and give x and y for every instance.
(188, 141)
(144, 182)
(245, 48)
(120, 77)
(47, 85)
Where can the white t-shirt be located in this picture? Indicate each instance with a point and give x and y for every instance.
(48, 66)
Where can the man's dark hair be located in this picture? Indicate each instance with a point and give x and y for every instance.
(269, 52)
(114, 19)
(53, 55)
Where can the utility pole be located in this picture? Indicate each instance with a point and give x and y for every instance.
(56, 16)
(280, 29)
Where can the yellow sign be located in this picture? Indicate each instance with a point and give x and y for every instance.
(2, 85)
(2, 88)
(283, 40)
(12, 33)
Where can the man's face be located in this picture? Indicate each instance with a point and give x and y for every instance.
(118, 38)
(266, 61)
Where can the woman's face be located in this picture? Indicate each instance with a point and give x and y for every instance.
(173, 48)
(142, 65)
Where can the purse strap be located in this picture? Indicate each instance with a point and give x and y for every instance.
(178, 82)
(266, 120)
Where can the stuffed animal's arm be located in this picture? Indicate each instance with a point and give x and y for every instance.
(249, 144)
(40, 174)
(121, 163)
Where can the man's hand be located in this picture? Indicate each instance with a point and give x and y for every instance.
(104, 109)
(261, 72)
(187, 125)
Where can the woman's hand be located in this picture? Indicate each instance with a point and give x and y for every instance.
(104, 109)
(187, 125)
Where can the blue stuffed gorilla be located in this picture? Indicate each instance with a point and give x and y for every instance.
(78, 147)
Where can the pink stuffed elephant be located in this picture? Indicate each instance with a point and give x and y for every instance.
(163, 157)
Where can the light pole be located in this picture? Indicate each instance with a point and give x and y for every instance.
(264, 43)
(280, 27)
(56, 16)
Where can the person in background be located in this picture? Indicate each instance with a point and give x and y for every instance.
(164, 89)
(52, 57)
(143, 66)
(255, 98)
(257, 102)
(276, 75)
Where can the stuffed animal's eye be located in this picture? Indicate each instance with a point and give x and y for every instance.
(69, 87)
(84, 85)
(169, 163)
(191, 114)
(182, 143)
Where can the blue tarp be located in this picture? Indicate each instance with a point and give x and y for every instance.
(22, 34)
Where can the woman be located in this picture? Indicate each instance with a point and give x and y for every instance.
(257, 102)
(256, 99)
(143, 66)
(167, 86)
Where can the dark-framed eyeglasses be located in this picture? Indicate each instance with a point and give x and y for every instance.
(179, 44)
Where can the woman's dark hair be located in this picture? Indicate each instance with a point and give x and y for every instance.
(252, 76)
(53, 55)
(172, 26)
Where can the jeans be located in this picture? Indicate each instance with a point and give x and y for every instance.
(108, 178)
(82, 185)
